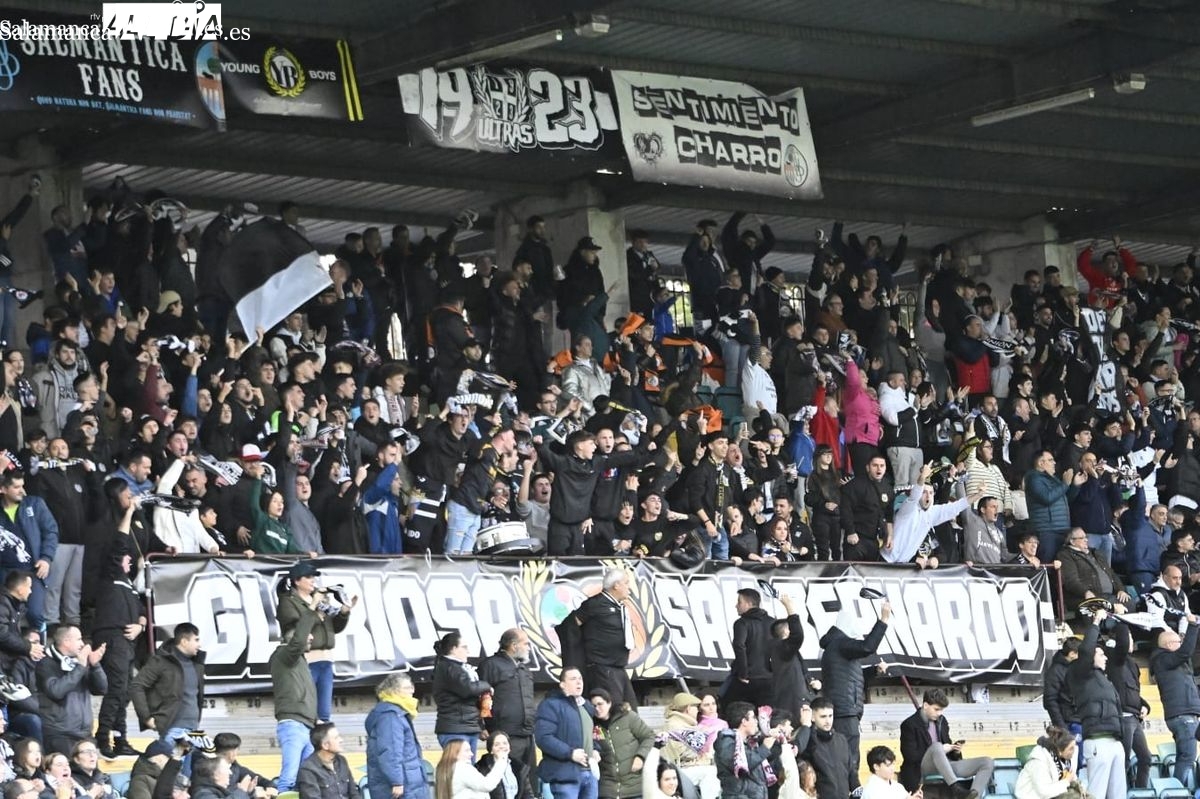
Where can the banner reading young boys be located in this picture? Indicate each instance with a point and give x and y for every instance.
(953, 624)
(716, 134)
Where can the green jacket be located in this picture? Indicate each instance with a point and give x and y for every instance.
(626, 736)
(271, 536)
(158, 686)
(295, 692)
(292, 607)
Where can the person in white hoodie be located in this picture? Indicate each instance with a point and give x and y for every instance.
(902, 436)
(180, 529)
(918, 516)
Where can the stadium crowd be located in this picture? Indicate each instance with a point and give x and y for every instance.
(778, 427)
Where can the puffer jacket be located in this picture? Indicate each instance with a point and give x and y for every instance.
(1143, 545)
(558, 730)
(1048, 500)
(1039, 776)
(456, 691)
(1095, 696)
(393, 753)
(841, 667)
(1057, 698)
(628, 736)
(1173, 673)
(863, 423)
(157, 689)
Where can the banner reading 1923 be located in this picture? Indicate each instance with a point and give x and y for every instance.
(716, 134)
(509, 109)
(953, 624)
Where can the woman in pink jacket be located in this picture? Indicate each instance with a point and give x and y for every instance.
(863, 429)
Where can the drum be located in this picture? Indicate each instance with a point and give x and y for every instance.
(506, 538)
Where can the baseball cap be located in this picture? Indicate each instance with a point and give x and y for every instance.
(251, 453)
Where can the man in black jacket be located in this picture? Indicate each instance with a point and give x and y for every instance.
(1171, 665)
(927, 749)
(575, 476)
(608, 638)
(708, 488)
(1057, 697)
(13, 646)
(120, 620)
(1124, 673)
(168, 691)
(513, 705)
(536, 252)
(867, 512)
(752, 650)
(744, 251)
(827, 749)
(1100, 714)
(843, 649)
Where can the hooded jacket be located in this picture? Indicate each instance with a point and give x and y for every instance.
(841, 663)
(55, 387)
(295, 692)
(861, 410)
(628, 737)
(899, 416)
(1057, 698)
(1095, 695)
(1173, 673)
(158, 687)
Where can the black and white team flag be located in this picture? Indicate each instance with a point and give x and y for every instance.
(268, 271)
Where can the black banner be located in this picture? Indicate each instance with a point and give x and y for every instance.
(953, 624)
(80, 70)
(308, 78)
(515, 109)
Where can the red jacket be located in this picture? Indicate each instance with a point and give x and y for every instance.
(826, 429)
(1100, 281)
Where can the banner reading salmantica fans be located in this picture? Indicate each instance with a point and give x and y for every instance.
(149, 79)
(952, 624)
(508, 109)
(716, 134)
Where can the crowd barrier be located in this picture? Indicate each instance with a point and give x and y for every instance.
(954, 624)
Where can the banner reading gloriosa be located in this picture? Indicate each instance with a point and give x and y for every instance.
(507, 109)
(952, 624)
(716, 134)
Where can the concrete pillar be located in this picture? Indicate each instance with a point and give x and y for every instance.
(1001, 259)
(568, 220)
(60, 186)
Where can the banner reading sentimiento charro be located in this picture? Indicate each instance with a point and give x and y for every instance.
(509, 109)
(952, 624)
(716, 134)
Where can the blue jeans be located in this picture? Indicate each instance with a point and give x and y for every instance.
(734, 354)
(1049, 544)
(1103, 544)
(586, 788)
(717, 548)
(1183, 729)
(461, 528)
(294, 747)
(172, 735)
(322, 674)
(471, 740)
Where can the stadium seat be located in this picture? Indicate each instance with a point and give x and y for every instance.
(1023, 753)
(289, 795)
(1166, 758)
(428, 767)
(1169, 788)
(728, 401)
(363, 791)
(1141, 793)
(704, 394)
(120, 782)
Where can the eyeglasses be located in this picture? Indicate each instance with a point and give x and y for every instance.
(89, 751)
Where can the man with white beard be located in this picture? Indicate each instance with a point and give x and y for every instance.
(513, 705)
